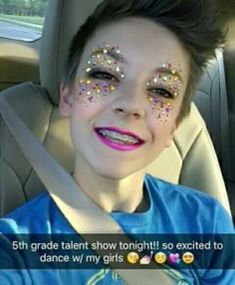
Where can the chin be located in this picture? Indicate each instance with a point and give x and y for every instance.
(115, 173)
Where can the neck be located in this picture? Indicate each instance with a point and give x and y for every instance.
(111, 194)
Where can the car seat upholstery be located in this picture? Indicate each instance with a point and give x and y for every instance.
(191, 159)
(211, 100)
(229, 62)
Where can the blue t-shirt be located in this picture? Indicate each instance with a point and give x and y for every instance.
(172, 209)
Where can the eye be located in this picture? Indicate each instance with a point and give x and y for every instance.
(102, 75)
(161, 92)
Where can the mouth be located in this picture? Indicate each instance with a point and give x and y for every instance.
(119, 139)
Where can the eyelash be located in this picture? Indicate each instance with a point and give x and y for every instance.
(108, 76)
(104, 75)
(162, 92)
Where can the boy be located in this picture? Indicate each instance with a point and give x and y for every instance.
(127, 85)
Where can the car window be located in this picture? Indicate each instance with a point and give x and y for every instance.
(22, 19)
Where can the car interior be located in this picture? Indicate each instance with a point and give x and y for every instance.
(201, 156)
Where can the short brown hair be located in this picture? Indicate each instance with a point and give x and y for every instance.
(194, 22)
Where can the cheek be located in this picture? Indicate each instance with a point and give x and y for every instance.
(161, 120)
(91, 91)
(161, 111)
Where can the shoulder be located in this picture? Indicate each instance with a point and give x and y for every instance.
(36, 216)
(179, 193)
(185, 203)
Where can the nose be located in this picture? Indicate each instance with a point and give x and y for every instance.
(130, 104)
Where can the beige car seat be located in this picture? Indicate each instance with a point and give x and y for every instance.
(191, 159)
(229, 62)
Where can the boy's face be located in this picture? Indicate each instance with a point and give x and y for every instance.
(127, 95)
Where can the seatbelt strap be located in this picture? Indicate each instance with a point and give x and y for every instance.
(83, 215)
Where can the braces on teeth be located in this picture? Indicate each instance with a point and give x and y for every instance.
(116, 136)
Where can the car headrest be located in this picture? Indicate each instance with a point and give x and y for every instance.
(229, 64)
(62, 21)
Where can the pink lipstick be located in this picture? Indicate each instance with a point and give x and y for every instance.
(118, 139)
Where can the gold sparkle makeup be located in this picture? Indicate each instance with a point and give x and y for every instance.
(104, 70)
(107, 57)
(91, 90)
(162, 89)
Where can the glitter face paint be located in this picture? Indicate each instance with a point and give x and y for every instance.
(103, 66)
(91, 90)
(162, 89)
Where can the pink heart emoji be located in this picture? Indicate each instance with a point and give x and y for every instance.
(174, 258)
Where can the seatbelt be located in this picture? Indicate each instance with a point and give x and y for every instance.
(83, 215)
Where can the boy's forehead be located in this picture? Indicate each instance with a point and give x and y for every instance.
(141, 42)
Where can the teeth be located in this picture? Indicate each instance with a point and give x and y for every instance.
(115, 137)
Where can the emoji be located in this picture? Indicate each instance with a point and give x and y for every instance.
(146, 259)
(160, 257)
(132, 257)
(188, 257)
(174, 258)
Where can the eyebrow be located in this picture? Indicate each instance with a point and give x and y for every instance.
(167, 71)
(120, 58)
(111, 53)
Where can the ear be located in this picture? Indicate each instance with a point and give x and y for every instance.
(66, 100)
(169, 140)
